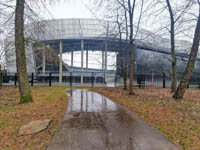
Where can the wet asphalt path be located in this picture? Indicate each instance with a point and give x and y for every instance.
(94, 122)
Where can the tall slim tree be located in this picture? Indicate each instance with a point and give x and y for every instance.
(173, 21)
(131, 8)
(191, 62)
(0, 77)
(120, 21)
(24, 88)
(1, 55)
(127, 46)
(173, 54)
(132, 37)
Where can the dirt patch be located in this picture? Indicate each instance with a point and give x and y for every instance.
(178, 120)
(49, 103)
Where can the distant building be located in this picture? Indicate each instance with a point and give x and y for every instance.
(55, 37)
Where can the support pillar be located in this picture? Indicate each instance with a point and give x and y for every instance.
(106, 55)
(106, 52)
(72, 59)
(87, 60)
(103, 60)
(82, 56)
(60, 63)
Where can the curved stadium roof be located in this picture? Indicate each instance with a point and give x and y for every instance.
(93, 29)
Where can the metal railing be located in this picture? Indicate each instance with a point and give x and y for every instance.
(95, 79)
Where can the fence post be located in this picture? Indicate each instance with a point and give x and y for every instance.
(164, 82)
(1, 78)
(93, 79)
(15, 79)
(115, 81)
(32, 78)
(49, 79)
(70, 78)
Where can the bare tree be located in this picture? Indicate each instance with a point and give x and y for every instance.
(1, 56)
(24, 88)
(173, 55)
(173, 21)
(25, 12)
(131, 17)
(191, 62)
(130, 8)
(120, 21)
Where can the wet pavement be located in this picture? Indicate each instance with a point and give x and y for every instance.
(94, 122)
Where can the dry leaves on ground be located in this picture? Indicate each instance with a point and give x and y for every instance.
(49, 103)
(178, 120)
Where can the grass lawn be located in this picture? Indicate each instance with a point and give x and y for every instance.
(49, 103)
(179, 121)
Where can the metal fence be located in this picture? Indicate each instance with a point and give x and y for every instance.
(96, 79)
(89, 79)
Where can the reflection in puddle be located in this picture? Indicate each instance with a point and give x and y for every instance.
(94, 122)
(86, 101)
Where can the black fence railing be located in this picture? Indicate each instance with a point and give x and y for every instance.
(94, 79)
(68, 79)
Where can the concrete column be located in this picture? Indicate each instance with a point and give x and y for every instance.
(106, 54)
(106, 51)
(82, 62)
(60, 63)
(43, 60)
(87, 60)
(72, 59)
(103, 60)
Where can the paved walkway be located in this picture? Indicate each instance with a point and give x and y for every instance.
(94, 122)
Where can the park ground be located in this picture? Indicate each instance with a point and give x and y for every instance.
(177, 120)
(49, 103)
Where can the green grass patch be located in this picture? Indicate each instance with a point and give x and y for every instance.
(8, 108)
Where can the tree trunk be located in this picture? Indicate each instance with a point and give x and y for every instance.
(126, 52)
(131, 68)
(191, 62)
(173, 54)
(24, 88)
(131, 61)
(125, 82)
(123, 69)
(0, 77)
(174, 76)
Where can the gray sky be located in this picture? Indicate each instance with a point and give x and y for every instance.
(70, 9)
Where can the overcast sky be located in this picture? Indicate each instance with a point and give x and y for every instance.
(70, 9)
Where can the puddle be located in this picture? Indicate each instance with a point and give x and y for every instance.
(94, 122)
(86, 101)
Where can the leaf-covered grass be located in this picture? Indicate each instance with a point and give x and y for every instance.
(49, 103)
(178, 120)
